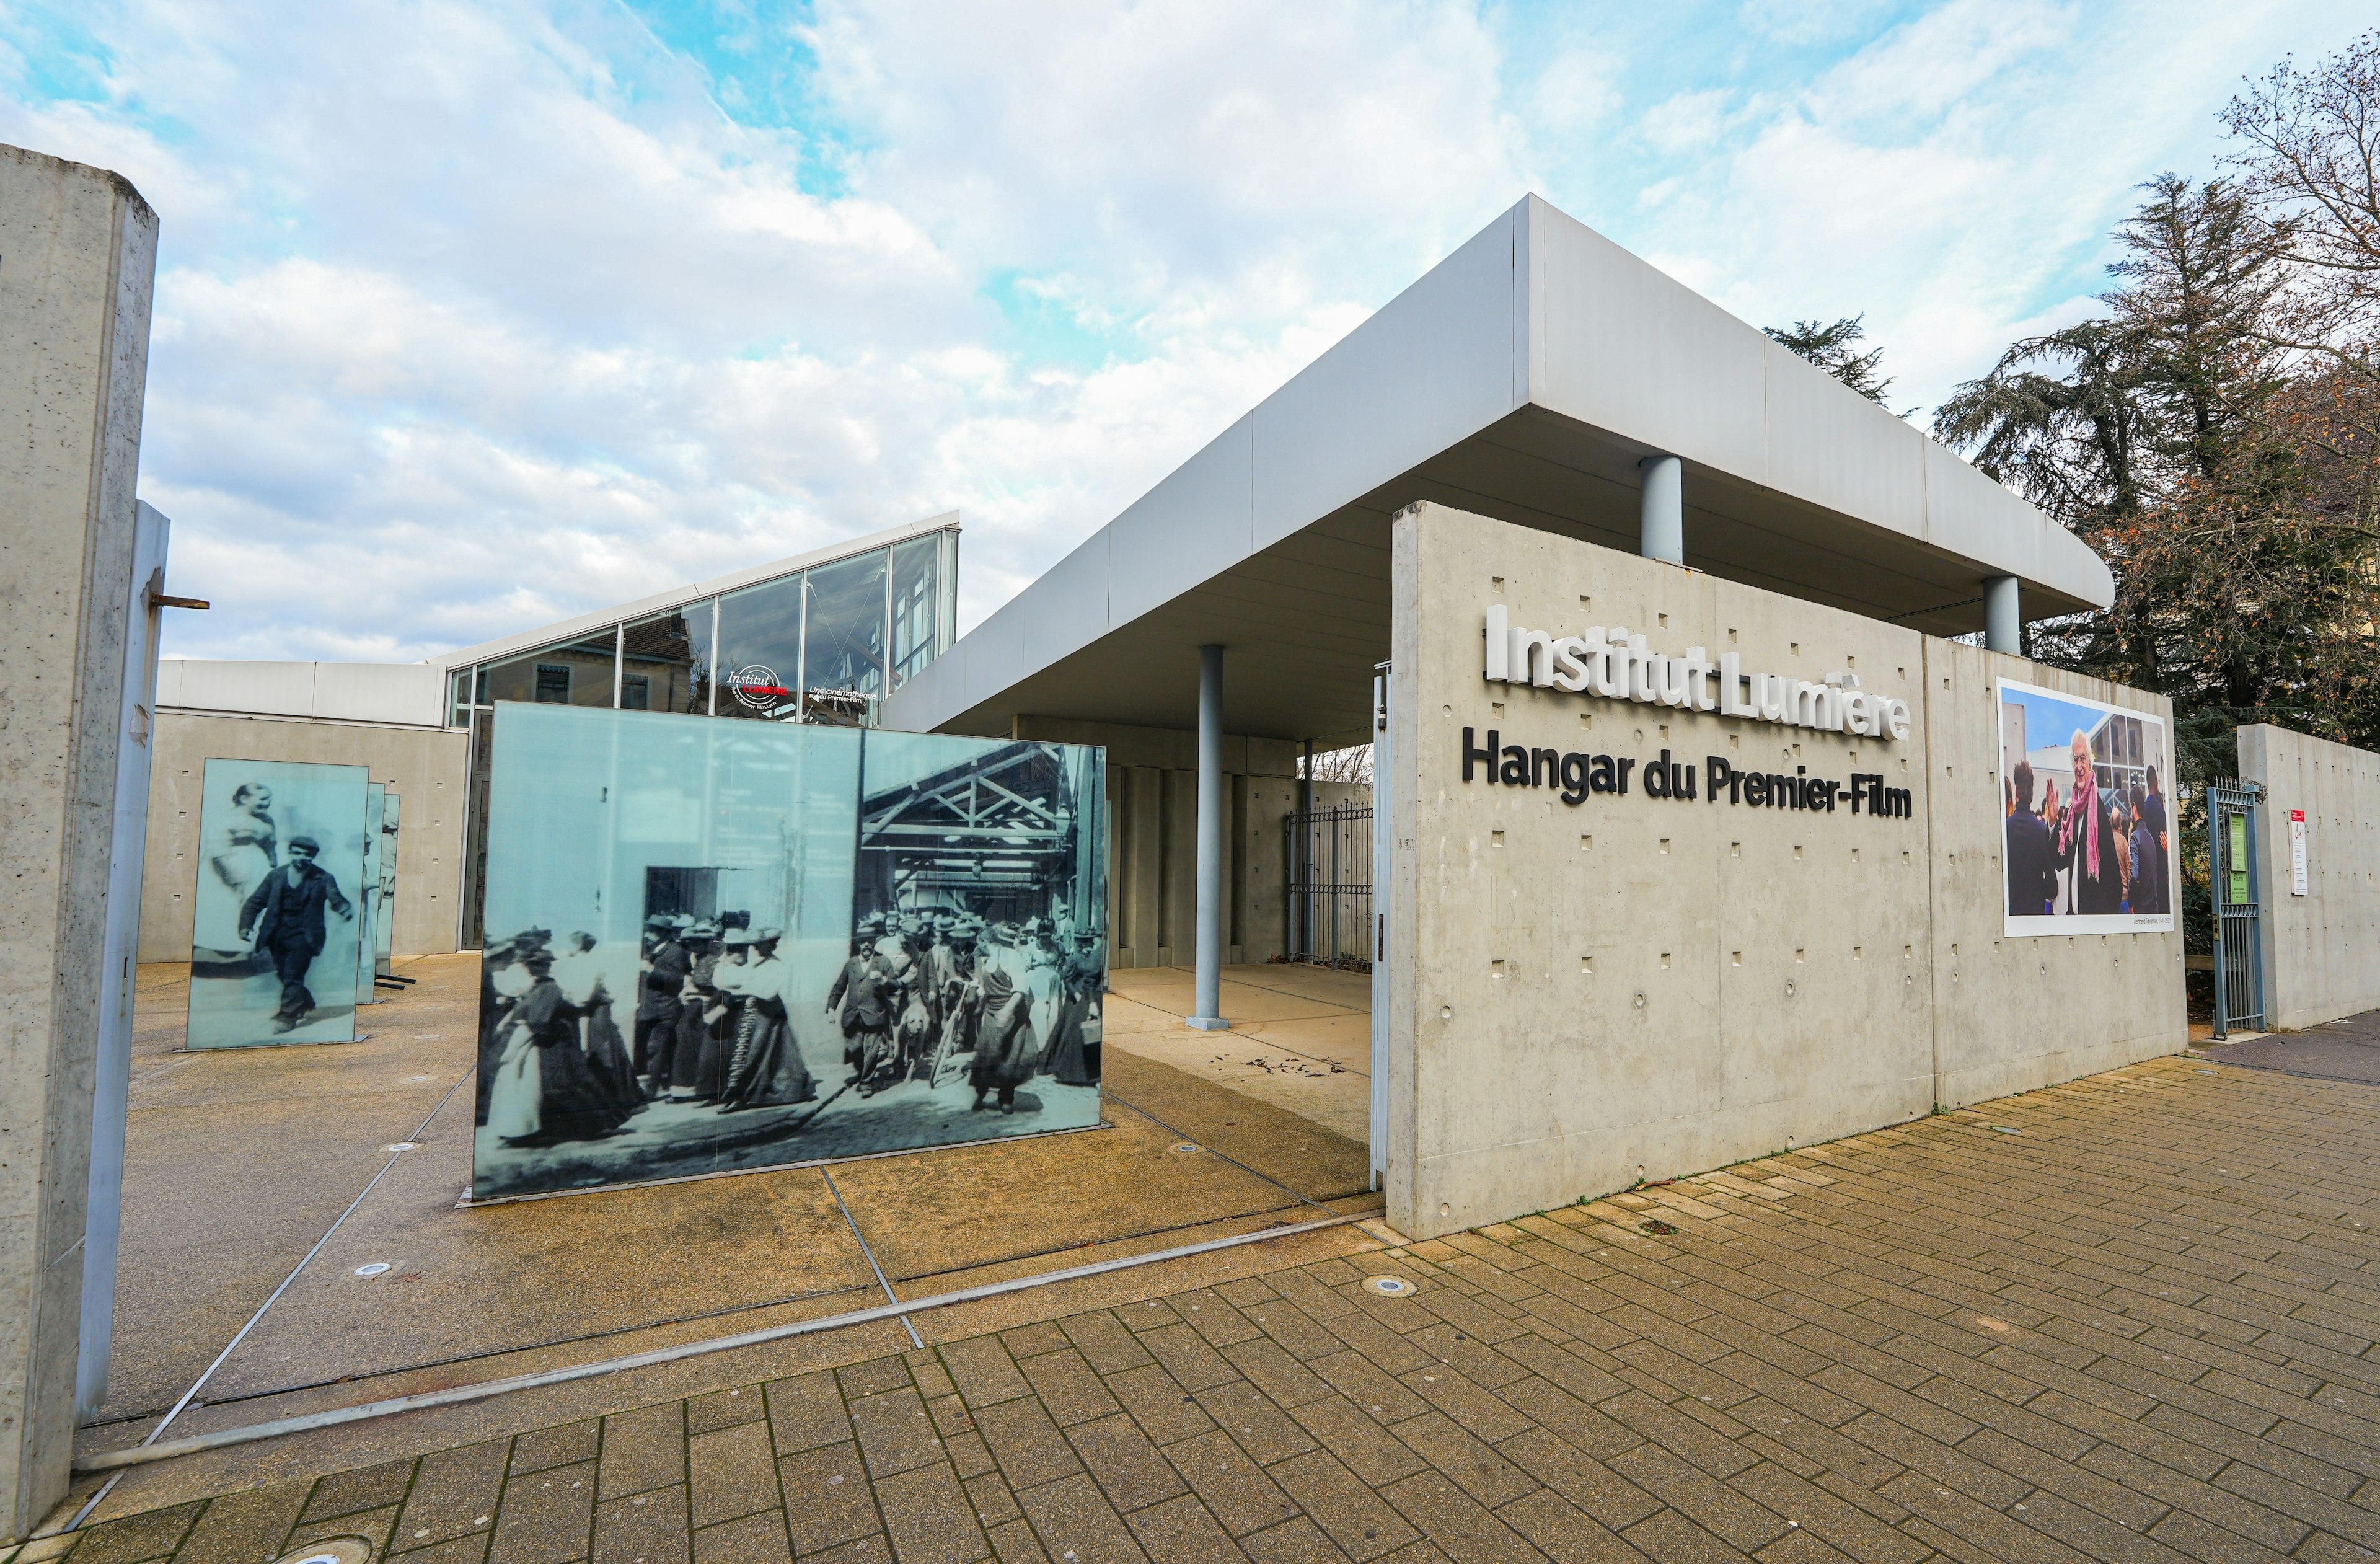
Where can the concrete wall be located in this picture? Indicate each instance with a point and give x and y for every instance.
(2322, 950)
(424, 766)
(1153, 833)
(1638, 988)
(78, 258)
(2013, 1014)
(410, 693)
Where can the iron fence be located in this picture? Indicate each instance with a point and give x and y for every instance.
(2238, 890)
(1328, 900)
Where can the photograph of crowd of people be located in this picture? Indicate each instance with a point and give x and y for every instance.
(912, 957)
(2089, 826)
(274, 935)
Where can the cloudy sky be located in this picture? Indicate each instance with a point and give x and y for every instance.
(471, 316)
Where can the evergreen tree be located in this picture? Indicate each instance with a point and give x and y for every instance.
(1835, 349)
(2169, 434)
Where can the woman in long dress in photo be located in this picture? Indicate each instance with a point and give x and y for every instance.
(240, 850)
(516, 1081)
(1006, 1048)
(579, 972)
(766, 1069)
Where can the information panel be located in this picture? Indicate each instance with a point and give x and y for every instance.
(2090, 839)
(719, 946)
(274, 929)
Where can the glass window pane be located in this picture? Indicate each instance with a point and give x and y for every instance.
(845, 647)
(567, 674)
(665, 661)
(760, 650)
(916, 591)
(458, 705)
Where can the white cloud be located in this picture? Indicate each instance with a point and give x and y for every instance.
(474, 315)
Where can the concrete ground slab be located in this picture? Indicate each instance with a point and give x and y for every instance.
(238, 1162)
(2132, 1317)
(1300, 1039)
(2341, 1051)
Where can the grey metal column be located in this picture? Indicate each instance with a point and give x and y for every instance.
(1661, 513)
(1206, 1012)
(2003, 623)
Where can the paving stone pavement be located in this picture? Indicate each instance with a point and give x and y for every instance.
(2131, 1318)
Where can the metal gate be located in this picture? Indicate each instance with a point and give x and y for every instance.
(2237, 887)
(1328, 887)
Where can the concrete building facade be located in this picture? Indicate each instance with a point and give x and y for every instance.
(1550, 1020)
(818, 637)
(2321, 945)
(78, 263)
(1588, 988)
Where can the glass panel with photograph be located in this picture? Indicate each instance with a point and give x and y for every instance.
(667, 907)
(384, 926)
(665, 661)
(566, 673)
(370, 913)
(688, 975)
(274, 936)
(843, 649)
(917, 595)
(2090, 846)
(981, 869)
(760, 650)
(475, 823)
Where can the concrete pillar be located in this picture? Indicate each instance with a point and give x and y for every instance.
(112, 1071)
(1661, 509)
(78, 260)
(2003, 623)
(1206, 1006)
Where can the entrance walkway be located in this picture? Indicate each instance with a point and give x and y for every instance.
(1301, 1036)
(2131, 1318)
(238, 1162)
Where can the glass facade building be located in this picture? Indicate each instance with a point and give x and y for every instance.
(821, 642)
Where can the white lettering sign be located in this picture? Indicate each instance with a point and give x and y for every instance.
(2297, 853)
(1611, 662)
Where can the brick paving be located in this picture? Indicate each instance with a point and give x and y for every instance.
(2131, 1319)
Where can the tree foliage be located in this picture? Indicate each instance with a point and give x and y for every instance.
(2211, 432)
(1835, 349)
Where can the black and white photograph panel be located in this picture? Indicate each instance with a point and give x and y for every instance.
(275, 927)
(660, 889)
(685, 974)
(978, 952)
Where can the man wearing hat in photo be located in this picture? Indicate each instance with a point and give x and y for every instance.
(697, 997)
(864, 992)
(662, 969)
(284, 916)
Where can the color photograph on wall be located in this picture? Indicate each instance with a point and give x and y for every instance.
(720, 946)
(2085, 792)
(276, 931)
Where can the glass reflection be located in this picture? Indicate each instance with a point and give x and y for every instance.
(665, 661)
(458, 698)
(844, 648)
(567, 674)
(915, 589)
(760, 650)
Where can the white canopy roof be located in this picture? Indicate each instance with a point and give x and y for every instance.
(1523, 378)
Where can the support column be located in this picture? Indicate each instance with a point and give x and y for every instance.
(1207, 1009)
(1661, 509)
(82, 254)
(2003, 623)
